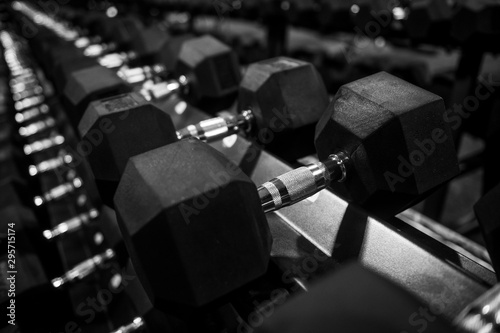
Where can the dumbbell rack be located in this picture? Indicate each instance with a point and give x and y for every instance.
(62, 203)
(310, 238)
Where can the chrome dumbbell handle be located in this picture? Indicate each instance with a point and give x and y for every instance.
(50, 164)
(29, 102)
(301, 183)
(71, 225)
(83, 269)
(44, 144)
(58, 192)
(136, 324)
(219, 127)
(31, 113)
(37, 127)
(164, 89)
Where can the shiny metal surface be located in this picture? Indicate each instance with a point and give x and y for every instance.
(83, 269)
(328, 231)
(71, 225)
(316, 235)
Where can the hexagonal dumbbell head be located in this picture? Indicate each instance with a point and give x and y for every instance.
(283, 93)
(169, 52)
(63, 69)
(394, 133)
(62, 52)
(88, 84)
(187, 244)
(117, 128)
(280, 101)
(148, 42)
(210, 66)
(352, 299)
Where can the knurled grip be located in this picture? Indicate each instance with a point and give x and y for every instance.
(299, 183)
(293, 186)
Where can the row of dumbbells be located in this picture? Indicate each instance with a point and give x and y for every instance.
(291, 63)
(34, 112)
(65, 228)
(60, 255)
(148, 175)
(68, 227)
(303, 99)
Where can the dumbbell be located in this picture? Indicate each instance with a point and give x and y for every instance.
(104, 266)
(51, 288)
(386, 172)
(142, 50)
(187, 197)
(19, 162)
(28, 99)
(148, 43)
(150, 47)
(125, 29)
(276, 94)
(164, 57)
(19, 196)
(163, 62)
(72, 224)
(144, 47)
(84, 269)
(57, 165)
(34, 133)
(38, 145)
(69, 184)
(151, 41)
(166, 54)
(52, 194)
(26, 230)
(54, 163)
(207, 71)
(17, 181)
(352, 299)
(22, 186)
